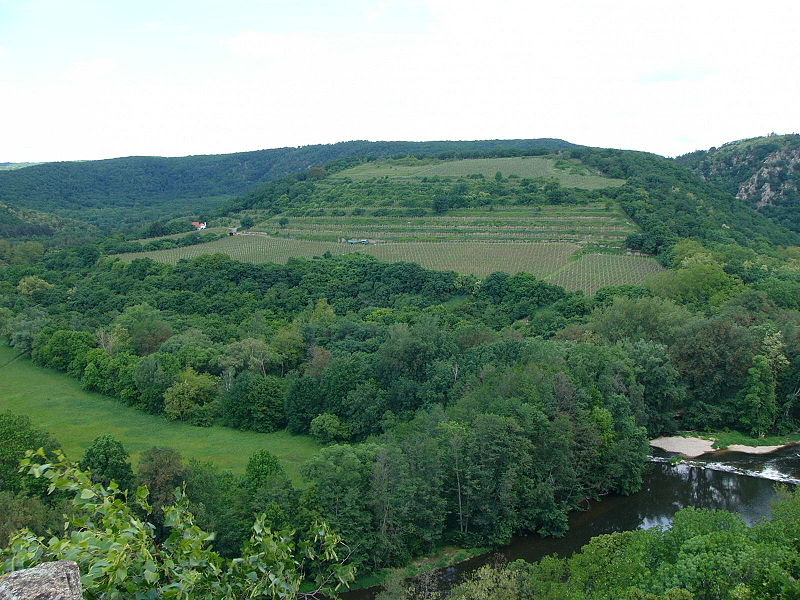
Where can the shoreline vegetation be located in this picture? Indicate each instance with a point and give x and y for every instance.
(693, 444)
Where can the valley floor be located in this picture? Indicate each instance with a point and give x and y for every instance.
(57, 403)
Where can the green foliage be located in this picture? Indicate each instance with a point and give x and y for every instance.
(757, 407)
(30, 284)
(145, 327)
(652, 319)
(22, 511)
(328, 429)
(107, 461)
(118, 192)
(191, 397)
(18, 434)
(119, 557)
(705, 555)
(669, 202)
(762, 171)
(49, 398)
(699, 285)
(64, 350)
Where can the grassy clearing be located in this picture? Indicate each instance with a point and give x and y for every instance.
(723, 439)
(574, 175)
(56, 403)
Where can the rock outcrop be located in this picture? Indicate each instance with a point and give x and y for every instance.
(58, 580)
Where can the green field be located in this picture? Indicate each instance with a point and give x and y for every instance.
(56, 403)
(572, 173)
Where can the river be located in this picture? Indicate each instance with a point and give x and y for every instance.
(733, 481)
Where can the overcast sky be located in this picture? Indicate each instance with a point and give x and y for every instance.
(84, 79)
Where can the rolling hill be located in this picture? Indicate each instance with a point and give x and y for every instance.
(545, 215)
(570, 217)
(118, 192)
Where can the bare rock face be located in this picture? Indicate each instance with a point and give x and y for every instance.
(49, 581)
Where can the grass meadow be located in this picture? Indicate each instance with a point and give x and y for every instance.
(58, 404)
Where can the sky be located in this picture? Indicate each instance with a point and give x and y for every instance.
(89, 79)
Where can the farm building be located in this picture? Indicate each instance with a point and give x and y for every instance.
(198, 225)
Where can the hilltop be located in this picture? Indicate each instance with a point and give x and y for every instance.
(117, 192)
(762, 171)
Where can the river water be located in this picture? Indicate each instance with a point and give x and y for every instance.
(733, 481)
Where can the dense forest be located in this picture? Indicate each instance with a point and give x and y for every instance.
(434, 371)
(430, 391)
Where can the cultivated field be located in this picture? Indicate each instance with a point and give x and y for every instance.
(545, 260)
(573, 174)
(593, 271)
(473, 257)
(581, 224)
(58, 404)
(389, 204)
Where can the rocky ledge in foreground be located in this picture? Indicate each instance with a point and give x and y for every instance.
(58, 580)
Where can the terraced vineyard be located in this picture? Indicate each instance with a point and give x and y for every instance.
(472, 216)
(580, 224)
(593, 271)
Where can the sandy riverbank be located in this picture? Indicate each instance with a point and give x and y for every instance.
(692, 447)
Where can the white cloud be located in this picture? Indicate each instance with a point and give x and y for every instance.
(668, 78)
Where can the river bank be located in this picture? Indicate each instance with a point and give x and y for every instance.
(693, 446)
(747, 488)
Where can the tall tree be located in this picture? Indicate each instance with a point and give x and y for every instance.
(107, 461)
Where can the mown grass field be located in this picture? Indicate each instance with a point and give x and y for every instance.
(56, 403)
(573, 175)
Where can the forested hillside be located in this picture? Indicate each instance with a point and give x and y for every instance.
(764, 172)
(29, 224)
(117, 192)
